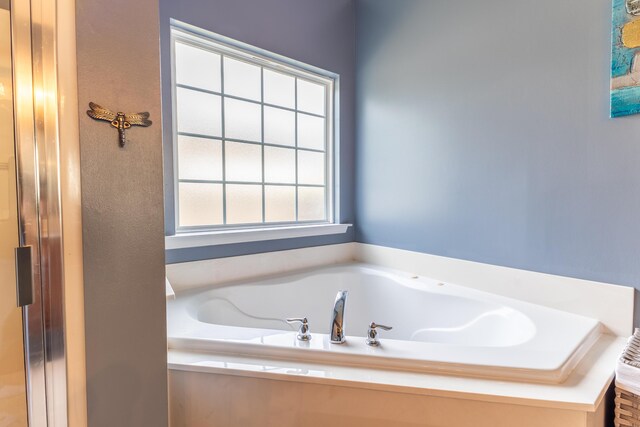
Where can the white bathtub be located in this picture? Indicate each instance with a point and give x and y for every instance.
(437, 327)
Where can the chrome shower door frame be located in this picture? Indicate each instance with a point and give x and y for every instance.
(33, 26)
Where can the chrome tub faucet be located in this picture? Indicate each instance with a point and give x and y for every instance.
(337, 318)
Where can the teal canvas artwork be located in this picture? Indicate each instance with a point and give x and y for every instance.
(625, 58)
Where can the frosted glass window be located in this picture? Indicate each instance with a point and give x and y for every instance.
(311, 97)
(279, 165)
(311, 167)
(244, 204)
(199, 158)
(198, 112)
(279, 126)
(311, 132)
(311, 204)
(242, 79)
(253, 137)
(242, 120)
(280, 203)
(279, 89)
(200, 204)
(243, 162)
(197, 67)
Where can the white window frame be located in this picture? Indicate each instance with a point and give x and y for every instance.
(193, 236)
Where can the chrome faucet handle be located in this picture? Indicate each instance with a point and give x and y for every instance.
(372, 333)
(303, 332)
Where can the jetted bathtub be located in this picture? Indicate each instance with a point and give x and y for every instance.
(437, 327)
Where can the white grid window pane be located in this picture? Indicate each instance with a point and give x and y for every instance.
(200, 204)
(241, 79)
(279, 165)
(311, 132)
(244, 204)
(199, 158)
(279, 126)
(280, 203)
(251, 138)
(243, 162)
(242, 120)
(311, 97)
(279, 89)
(197, 67)
(311, 167)
(311, 204)
(198, 112)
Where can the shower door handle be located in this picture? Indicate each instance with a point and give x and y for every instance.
(24, 276)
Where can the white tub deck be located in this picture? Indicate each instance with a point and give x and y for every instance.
(438, 327)
(209, 387)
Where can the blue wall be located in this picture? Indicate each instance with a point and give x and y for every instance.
(482, 127)
(483, 134)
(320, 33)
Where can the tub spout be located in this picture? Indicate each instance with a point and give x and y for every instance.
(337, 318)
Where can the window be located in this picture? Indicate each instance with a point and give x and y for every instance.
(253, 138)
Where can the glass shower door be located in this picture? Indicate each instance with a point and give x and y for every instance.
(13, 395)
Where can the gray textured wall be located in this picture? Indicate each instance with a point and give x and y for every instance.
(319, 33)
(118, 67)
(484, 134)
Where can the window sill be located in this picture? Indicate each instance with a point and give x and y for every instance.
(213, 238)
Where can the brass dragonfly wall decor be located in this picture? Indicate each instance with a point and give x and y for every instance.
(120, 121)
